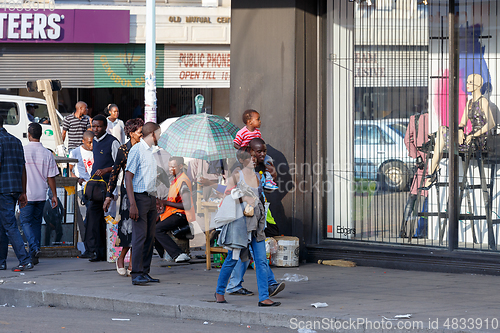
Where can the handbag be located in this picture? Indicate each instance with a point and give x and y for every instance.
(95, 189)
(248, 210)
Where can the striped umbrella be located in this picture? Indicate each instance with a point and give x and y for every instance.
(203, 136)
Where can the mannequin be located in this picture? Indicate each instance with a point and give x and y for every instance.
(478, 111)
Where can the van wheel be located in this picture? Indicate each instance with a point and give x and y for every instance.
(394, 176)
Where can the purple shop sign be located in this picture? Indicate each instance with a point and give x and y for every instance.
(65, 26)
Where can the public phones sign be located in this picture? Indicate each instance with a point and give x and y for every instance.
(65, 26)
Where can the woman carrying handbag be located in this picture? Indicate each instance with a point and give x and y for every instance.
(248, 183)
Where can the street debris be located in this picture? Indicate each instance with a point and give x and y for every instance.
(4, 305)
(205, 323)
(29, 282)
(121, 319)
(305, 330)
(397, 317)
(338, 263)
(2, 281)
(294, 277)
(405, 316)
(319, 305)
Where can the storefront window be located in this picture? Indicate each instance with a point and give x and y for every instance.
(395, 161)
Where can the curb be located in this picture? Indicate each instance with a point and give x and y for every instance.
(200, 311)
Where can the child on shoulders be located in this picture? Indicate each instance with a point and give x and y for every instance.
(252, 121)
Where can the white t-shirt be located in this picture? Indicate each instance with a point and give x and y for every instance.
(117, 129)
(83, 168)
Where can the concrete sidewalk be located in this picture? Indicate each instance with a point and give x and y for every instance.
(358, 298)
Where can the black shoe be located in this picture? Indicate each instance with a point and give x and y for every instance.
(139, 280)
(37, 254)
(272, 304)
(242, 292)
(150, 279)
(215, 295)
(3, 267)
(433, 179)
(34, 260)
(275, 289)
(85, 255)
(20, 268)
(427, 188)
(96, 258)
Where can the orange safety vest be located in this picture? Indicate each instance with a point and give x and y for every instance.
(173, 196)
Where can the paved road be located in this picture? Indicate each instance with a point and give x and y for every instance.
(55, 319)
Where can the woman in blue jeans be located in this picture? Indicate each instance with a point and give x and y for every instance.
(248, 182)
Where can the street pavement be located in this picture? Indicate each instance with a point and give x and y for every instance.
(359, 298)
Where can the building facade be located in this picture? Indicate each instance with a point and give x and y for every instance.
(97, 50)
(348, 84)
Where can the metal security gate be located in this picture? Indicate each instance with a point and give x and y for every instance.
(72, 64)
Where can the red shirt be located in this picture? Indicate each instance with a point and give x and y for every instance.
(244, 136)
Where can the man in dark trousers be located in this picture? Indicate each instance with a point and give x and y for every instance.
(12, 190)
(105, 148)
(140, 181)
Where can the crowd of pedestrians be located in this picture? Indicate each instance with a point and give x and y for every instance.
(124, 155)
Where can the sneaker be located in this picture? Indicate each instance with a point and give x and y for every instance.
(182, 258)
(269, 184)
(20, 268)
(242, 292)
(275, 289)
(167, 257)
(85, 255)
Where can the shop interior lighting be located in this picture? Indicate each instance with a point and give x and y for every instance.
(359, 2)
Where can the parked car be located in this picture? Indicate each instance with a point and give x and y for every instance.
(380, 153)
(14, 111)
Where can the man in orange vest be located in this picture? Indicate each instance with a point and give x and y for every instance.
(179, 209)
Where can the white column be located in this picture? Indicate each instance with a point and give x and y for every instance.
(150, 74)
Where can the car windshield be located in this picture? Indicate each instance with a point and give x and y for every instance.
(38, 112)
(399, 128)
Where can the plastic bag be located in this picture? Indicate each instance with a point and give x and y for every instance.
(294, 277)
(271, 249)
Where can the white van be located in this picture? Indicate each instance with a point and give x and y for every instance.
(14, 111)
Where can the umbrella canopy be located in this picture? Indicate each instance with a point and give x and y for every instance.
(203, 136)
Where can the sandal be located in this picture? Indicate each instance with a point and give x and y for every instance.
(121, 271)
(215, 295)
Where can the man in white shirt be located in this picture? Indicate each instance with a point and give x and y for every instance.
(105, 147)
(140, 181)
(82, 171)
(41, 168)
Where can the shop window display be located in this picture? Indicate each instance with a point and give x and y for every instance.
(400, 72)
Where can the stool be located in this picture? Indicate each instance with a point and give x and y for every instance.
(182, 243)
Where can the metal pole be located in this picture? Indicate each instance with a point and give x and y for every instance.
(453, 78)
(150, 74)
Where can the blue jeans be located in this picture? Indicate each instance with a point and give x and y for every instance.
(9, 230)
(422, 223)
(31, 222)
(261, 268)
(239, 271)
